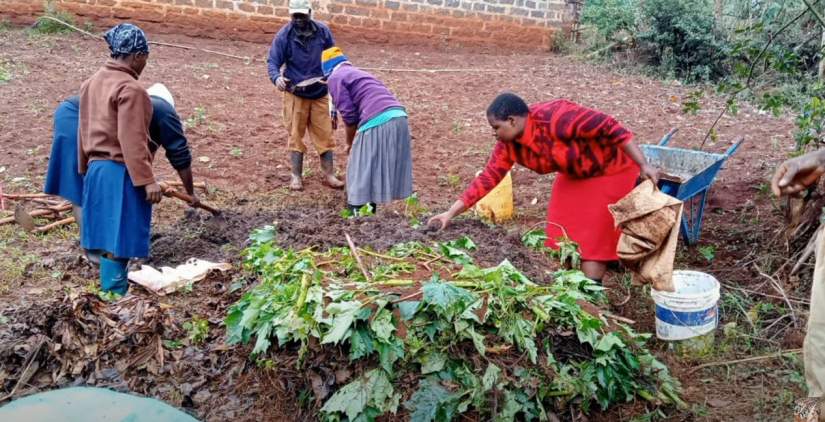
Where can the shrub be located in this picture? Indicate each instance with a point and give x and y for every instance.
(681, 37)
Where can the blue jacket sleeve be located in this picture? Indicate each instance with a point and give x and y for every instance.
(277, 55)
(167, 130)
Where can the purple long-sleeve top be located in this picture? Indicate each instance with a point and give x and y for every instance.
(358, 96)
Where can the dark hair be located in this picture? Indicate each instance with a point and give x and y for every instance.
(124, 55)
(507, 105)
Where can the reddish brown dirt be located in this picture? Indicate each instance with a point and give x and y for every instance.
(243, 141)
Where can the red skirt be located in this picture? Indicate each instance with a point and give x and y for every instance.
(578, 208)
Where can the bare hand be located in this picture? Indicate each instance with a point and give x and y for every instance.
(195, 200)
(281, 83)
(797, 174)
(153, 193)
(650, 172)
(440, 221)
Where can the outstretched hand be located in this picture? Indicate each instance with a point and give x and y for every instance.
(797, 174)
(651, 173)
(439, 222)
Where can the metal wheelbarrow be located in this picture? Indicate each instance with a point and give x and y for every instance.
(687, 175)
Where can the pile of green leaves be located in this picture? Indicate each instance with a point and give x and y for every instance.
(468, 338)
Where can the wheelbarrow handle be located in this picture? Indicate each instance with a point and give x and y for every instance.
(665, 139)
(735, 146)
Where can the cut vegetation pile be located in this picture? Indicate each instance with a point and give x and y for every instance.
(421, 331)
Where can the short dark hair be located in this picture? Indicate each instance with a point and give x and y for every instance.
(506, 105)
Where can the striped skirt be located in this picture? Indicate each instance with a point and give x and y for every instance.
(380, 164)
(116, 215)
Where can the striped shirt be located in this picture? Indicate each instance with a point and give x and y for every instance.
(559, 136)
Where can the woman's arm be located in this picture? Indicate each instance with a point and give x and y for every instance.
(497, 167)
(647, 171)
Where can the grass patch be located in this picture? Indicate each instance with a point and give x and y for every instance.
(45, 26)
(21, 259)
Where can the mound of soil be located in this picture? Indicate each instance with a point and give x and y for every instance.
(325, 228)
(221, 238)
(201, 235)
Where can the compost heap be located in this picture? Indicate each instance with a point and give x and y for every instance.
(420, 331)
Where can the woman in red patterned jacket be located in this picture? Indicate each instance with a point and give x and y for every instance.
(595, 157)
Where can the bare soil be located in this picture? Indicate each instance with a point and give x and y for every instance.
(239, 144)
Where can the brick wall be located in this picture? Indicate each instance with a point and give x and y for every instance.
(520, 24)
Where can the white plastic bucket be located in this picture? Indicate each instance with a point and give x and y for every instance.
(691, 310)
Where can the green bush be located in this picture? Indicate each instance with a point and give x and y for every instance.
(680, 37)
(611, 17)
(48, 26)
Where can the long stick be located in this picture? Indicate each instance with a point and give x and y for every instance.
(250, 59)
(378, 255)
(806, 253)
(752, 359)
(186, 47)
(39, 213)
(395, 69)
(178, 183)
(792, 299)
(170, 191)
(357, 258)
(47, 227)
(66, 24)
(25, 375)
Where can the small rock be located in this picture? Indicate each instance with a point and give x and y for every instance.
(201, 397)
(717, 403)
(186, 389)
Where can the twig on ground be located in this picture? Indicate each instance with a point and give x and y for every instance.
(751, 359)
(382, 256)
(778, 320)
(792, 299)
(358, 258)
(619, 318)
(779, 289)
(806, 253)
(27, 373)
(58, 223)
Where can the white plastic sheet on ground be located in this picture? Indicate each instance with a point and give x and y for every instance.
(169, 279)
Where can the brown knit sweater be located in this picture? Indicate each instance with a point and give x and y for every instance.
(115, 112)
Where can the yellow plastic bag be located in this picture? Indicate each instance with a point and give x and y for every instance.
(497, 206)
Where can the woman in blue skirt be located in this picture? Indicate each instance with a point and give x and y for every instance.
(119, 186)
(166, 130)
(62, 178)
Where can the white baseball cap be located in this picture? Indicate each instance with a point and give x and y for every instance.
(299, 6)
(159, 90)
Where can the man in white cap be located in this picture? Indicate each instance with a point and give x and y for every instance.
(165, 129)
(294, 67)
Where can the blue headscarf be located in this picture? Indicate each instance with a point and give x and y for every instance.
(126, 38)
